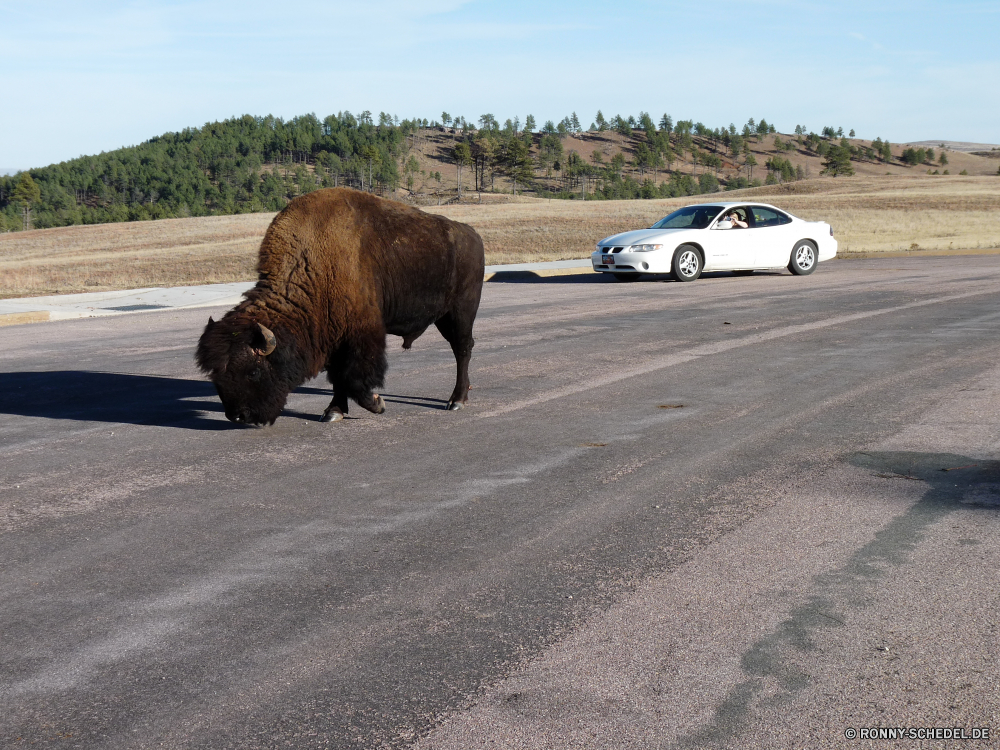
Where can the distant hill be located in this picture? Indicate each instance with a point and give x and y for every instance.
(963, 146)
(257, 164)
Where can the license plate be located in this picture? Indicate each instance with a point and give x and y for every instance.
(608, 260)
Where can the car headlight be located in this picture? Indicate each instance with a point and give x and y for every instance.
(645, 248)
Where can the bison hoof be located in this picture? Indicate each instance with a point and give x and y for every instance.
(379, 404)
(455, 406)
(332, 415)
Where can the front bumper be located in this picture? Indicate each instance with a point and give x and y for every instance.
(625, 262)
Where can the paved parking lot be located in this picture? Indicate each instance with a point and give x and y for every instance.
(743, 512)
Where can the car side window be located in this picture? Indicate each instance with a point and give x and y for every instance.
(741, 213)
(765, 217)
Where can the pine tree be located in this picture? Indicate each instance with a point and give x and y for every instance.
(463, 157)
(25, 194)
(838, 161)
(646, 123)
(517, 162)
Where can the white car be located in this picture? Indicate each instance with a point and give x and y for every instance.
(740, 237)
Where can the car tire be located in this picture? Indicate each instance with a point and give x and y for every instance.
(626, 276)
(743, 272)
(687, 263)
(803, 259)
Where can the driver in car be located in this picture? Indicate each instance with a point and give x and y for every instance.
(737, 222)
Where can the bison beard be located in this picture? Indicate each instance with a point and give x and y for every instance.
(338, 270)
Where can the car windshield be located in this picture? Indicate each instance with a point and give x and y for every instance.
(691, 217)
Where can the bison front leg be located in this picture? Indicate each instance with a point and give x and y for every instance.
(458, 333)
(355, 370)
(338, 408)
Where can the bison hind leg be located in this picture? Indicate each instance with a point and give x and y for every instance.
(458, 332)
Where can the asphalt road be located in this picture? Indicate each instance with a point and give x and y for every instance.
(743, 512)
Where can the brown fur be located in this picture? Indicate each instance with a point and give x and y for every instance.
(339, 269)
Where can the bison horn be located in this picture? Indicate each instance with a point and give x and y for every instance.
(270, 343)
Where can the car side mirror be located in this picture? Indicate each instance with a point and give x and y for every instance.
(724, 224)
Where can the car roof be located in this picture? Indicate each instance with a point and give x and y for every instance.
(728, 204)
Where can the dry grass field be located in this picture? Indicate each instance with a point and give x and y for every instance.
(171, 252)
(870, 215)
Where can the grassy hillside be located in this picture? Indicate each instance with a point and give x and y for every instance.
(257, 164)
(870, 213)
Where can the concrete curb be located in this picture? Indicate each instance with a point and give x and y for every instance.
(520, 271)
(129, 301)
(121, 302)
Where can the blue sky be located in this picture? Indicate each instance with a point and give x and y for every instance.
(82, 79)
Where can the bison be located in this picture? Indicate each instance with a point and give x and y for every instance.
(338, 270)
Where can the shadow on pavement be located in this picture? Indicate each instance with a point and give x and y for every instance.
(530, 277)
(953, 481)
(111, 397)
(118, 398)
(430, 403)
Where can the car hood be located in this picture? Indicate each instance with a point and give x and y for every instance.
(641, 236)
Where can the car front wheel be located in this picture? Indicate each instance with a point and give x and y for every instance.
(687, 263)
(803, 260)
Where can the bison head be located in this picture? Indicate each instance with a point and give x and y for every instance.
(250, 368)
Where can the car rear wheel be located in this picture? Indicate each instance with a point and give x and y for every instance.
(626, 276)
(803, 260)
(687, 263)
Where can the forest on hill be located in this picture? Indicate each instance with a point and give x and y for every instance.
(252, 164)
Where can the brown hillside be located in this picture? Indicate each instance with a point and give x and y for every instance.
(432, 148)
